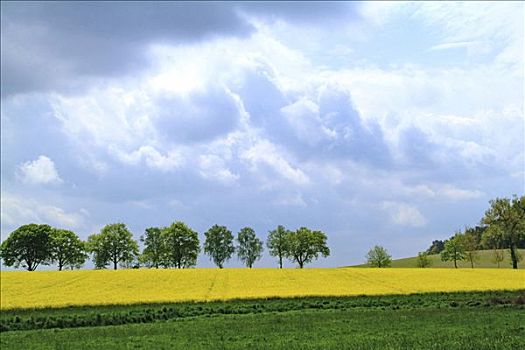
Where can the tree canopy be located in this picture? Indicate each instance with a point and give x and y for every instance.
(277, 243)
(305, 245)
(219, 244)
(378, 257)
(454, 250)
(181, 245)
(67, 250)
(154, 251)
(506, 218)
(114, 244)
(250, 247)
(28, 246)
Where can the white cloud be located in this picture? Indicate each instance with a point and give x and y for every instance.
(20, 210)
(152, 158)
(264, 153)
(213, 167)
(404, 214)
(40, 171)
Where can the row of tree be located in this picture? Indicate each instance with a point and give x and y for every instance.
(175, 246)
(502, 227)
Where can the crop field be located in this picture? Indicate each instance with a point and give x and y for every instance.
(104, 287)
(467, 320)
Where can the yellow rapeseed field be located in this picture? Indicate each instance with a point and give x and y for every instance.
(58, 289)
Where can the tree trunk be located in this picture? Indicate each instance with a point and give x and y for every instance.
(472, 262)
(59, 267)
(455, 264)
(115, 263)
(280, 261)
(513, 256)
(300, 264)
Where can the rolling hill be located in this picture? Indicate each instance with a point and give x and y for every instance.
(485, 261)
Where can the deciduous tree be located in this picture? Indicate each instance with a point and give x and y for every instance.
(378, 257)
(506, 217)
(114, 244)
(28, 246)
(250, 247)
(67, 250)
(154, 251)
(181, 245)
(423, 260)
(277, 243)
(305, 245)
(454, 250)
(219, 244)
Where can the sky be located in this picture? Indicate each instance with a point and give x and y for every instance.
(376, 123)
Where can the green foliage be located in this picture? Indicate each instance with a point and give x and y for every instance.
(436, 247)
(28, 246)
(304, 245)
(154, 248)
(277, 243)
(219, 244)
(506, 218)
(378, 257)
(67, 250)
(423, 260)
(471, 241)
(181, 245)
(250, 247)
(454, 249)
(114, 244)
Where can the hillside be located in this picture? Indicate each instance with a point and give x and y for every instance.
(485, 261)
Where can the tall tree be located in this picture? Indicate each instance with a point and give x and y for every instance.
(494, 240)
(219, 244)
(378, 257)
(304, 245)
(154, 247)
(454, 250)
(507, 218)
(471, 243)
(250, 247)
(114, 244)
(28, 246)
(277, 243)
(67, 249)
(182, 245)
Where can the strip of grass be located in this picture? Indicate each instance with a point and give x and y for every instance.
(74, 317)
(485, 260)
(362, 328)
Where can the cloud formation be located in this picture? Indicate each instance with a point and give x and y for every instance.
(39, 171)
(262, 114)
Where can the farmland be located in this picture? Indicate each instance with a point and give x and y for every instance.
(71, 288)
(481, 320)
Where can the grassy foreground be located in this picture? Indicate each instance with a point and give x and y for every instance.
(490, 320)
(90, 287)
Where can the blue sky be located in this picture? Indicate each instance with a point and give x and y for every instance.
(378, 123)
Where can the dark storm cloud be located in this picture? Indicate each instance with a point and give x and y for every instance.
(57, 45)
(49, 45)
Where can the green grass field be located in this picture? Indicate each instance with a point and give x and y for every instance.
(485, 261)
(468, 320)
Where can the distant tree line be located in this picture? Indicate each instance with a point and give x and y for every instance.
(501, 228)
(175, 246)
